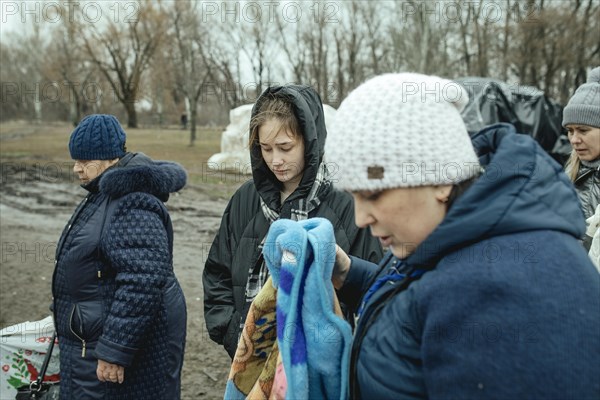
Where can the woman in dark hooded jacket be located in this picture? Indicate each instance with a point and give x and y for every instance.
(119, 311)
(290, 180)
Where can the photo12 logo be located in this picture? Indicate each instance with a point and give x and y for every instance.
(470, 11)
(71, 11)
(256, 12)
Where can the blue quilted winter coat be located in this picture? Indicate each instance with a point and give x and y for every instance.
(115, 295)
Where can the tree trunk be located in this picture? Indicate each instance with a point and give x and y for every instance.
(504, 73)
(193, 116)
(74, 106)
(131, 114)
(424, 47)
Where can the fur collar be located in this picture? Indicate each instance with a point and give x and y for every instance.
(137, 172)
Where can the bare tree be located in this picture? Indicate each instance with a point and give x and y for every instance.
(191, 72)
(245, 48)
(123, 51)
(221, 58)
(256, 41)
(15, 69)
(316, 40)
(67, 63)
(417, 39)
(505, 41)
(316, 49)
(550, 44)
(587, 34)
(296, 54)
(543, 52)
(349, 38)
(374, 19)
(22, 73)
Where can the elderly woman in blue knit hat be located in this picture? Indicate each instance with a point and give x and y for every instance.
(581, 118)
(485, 291)
(119, 310)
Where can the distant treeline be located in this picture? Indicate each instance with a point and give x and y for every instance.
(151, 61)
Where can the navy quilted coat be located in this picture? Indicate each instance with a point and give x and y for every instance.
(115, 295)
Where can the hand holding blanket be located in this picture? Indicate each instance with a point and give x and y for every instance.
(308, 357)
(314, 340)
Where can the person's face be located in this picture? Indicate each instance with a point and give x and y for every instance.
(585, 140)
(283, 152)
(87, 170)
(401, 218)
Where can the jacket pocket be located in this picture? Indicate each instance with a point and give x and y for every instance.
(86, 320)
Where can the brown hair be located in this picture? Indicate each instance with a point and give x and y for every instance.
(572, 166)
(274, 108)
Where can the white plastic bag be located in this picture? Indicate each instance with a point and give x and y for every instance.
(22, 350)
(593, 230)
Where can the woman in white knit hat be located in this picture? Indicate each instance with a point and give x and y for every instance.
(485, 291)
(581, 118)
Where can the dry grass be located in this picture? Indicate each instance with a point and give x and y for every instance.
(27, 143)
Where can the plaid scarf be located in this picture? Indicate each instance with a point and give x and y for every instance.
(258, 274)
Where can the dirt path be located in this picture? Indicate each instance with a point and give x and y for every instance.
(33, 212)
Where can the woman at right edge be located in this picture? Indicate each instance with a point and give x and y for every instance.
(486, 291)
(581, 118)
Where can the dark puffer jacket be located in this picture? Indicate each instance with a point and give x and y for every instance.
(587, 185)
(235, 248)
(115, 295)
(508, 305)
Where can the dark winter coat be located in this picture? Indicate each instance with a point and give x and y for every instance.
(587, 185)
(115, 295)
(235, 248)
(508, 305)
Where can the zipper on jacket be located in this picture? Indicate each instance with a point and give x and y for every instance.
(76, 335)
(61, 243)
(586, 174)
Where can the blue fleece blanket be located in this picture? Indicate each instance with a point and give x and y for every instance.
(314, 341)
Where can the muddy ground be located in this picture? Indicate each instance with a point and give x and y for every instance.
(34, 207)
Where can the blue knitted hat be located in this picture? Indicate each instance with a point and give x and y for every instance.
(97, 137)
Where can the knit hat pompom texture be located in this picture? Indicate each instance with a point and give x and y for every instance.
(97, 137)
(584, 107)
(401, 130)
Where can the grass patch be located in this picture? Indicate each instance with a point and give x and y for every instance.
(15, 154)
(29, 144)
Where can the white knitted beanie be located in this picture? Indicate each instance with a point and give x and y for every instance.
(401, 130)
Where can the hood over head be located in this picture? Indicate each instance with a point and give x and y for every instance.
(308, 109)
